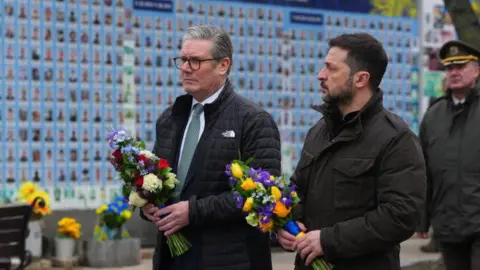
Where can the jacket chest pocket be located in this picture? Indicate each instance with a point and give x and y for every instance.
(354, 183)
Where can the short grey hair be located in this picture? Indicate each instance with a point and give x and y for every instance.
(222, 44)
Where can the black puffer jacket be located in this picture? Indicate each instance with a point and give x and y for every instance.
(220, 237)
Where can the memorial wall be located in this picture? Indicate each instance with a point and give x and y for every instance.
(70, 71)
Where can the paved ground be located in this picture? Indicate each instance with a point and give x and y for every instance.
(410, 255)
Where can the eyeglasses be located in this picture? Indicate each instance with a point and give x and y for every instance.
(193, 63)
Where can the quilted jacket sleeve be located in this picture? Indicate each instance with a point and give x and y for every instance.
(261, 140)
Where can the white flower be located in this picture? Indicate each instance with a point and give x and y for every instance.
(171, 181)
(135, 199)
(151, 182)
(148, 154)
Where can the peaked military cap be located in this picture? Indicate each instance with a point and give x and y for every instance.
(458, 52)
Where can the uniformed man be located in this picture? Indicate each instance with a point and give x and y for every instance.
(449, 133)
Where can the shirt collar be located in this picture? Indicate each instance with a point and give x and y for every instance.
(457, 101)
(210, 99)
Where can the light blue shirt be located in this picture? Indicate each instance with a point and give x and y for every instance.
(208, 100)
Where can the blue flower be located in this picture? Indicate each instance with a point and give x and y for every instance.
(228, 171)
(268, 182)
(232, 181)
(252, 173)
(135, 150)
(267, 208)
(238, 199)
(266, 216)
(286, 201)
(126, 149)
(116, 136)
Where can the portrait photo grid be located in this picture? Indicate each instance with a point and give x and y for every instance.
(63, 80)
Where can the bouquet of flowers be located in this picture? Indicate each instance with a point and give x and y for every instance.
(266, 200)
(146, 179)
(68, 228)
(28, 193)
(112, 218)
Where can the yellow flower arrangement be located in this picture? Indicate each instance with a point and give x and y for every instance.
(28, 192)
(69, 228)
(266, 201)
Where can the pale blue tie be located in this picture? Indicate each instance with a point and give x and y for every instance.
(191, 140)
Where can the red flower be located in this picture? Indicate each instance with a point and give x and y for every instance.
(118, 155)
(139, 182)
(144, 158)
(163, 164)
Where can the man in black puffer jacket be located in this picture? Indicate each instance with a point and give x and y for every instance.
(199, 135)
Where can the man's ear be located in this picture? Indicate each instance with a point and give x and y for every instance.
(224, 65)
(361, 79)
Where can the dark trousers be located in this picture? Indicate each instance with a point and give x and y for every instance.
(462, 256)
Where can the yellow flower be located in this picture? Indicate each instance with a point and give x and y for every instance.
(237, 171)
(272, 177)
(69, 227)
(76, 234)
(248, 184)
(248, 204)
(267, 226)
(101, 209)
(26, 190)
(126, 214)
(281, 210)
(66, 221)
(294, 194)
(276, 193)
(37, 209)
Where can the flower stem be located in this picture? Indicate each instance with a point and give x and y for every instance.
(178, 244)
(320, 264)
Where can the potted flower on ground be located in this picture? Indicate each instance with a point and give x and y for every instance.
(112, 245)
(32, 194)
(68, 232)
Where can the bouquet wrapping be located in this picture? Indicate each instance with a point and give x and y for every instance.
(146, 179)
(266, 201)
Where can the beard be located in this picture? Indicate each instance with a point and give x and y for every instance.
(344, 96)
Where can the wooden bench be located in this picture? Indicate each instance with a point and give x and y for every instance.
(13, 232)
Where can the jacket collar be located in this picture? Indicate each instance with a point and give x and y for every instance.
(183, 103)
(333, 116)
